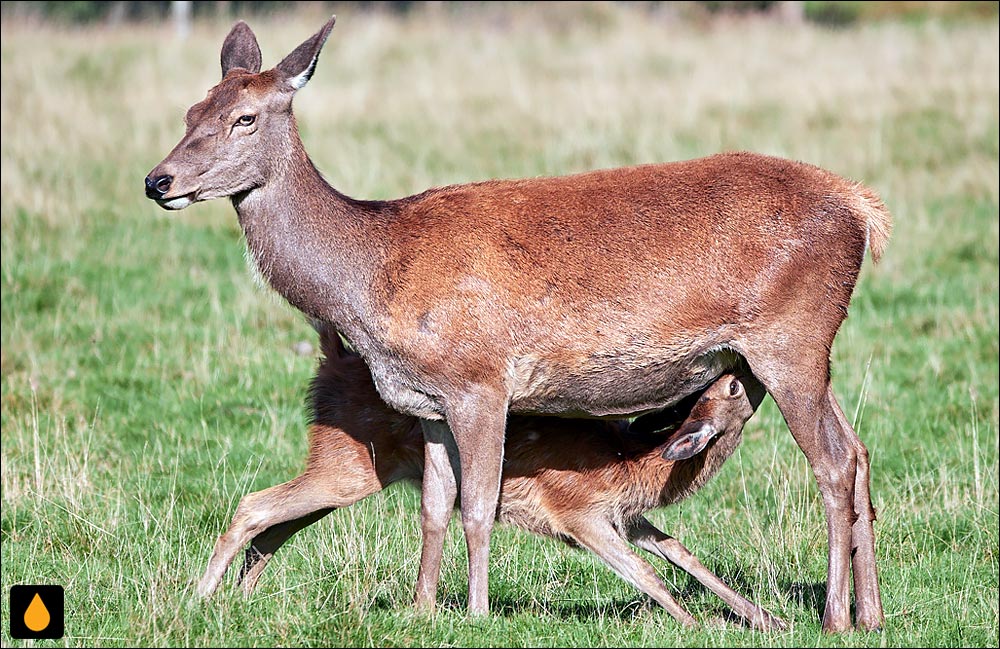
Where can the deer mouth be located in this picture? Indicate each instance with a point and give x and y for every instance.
(177, 202)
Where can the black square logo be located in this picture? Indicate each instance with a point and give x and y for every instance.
(36, 612)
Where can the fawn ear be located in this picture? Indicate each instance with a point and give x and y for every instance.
(344, 349)
(331, 344)
(689, 440)
(240, 50)
(298, 67)
(337, 346)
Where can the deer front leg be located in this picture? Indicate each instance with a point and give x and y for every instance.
(477, 420)
(645, 535)
(436, 503)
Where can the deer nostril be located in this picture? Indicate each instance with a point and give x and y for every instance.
(157, 187)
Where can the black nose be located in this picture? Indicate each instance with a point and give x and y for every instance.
(159, 186)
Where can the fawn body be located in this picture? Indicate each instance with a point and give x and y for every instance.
(594, 497)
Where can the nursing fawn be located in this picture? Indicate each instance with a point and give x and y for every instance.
(594, 497)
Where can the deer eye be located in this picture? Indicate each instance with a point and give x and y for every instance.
(735, 388)
(246, 120)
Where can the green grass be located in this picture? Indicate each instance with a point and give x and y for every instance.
(148, 384)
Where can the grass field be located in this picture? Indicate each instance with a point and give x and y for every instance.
(148, 383)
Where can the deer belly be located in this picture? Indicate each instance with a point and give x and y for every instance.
(402, 396)
(609, 386)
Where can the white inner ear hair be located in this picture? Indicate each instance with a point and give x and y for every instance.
(300, 80)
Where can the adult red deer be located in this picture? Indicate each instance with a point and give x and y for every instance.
(594, 498)
(604, 294)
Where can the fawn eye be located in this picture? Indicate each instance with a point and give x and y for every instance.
(246, 120)
(735, 388)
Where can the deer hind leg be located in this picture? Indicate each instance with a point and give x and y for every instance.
(304, 499)
(645, 535)
(799, 384)
(868, 598)
(600, 537)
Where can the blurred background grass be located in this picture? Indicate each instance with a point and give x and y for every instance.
(147, 383)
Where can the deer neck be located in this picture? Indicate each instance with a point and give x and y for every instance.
(316, 247)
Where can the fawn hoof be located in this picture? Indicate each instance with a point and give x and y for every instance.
(769, 622)
(688, 622)
(206, 587)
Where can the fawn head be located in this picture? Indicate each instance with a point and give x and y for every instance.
(723, 407)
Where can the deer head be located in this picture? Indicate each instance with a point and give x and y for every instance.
(243, 132)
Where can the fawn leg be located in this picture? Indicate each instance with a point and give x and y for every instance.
(264, 545)
(600, 537)
(646, 536)
(296, 499)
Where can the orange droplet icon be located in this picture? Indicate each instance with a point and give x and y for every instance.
(36, 617)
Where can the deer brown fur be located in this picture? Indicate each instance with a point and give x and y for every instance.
(594, 498)
(605, 294)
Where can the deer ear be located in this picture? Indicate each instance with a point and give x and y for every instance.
(689, 440)
(298, 67)
(240, 50)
